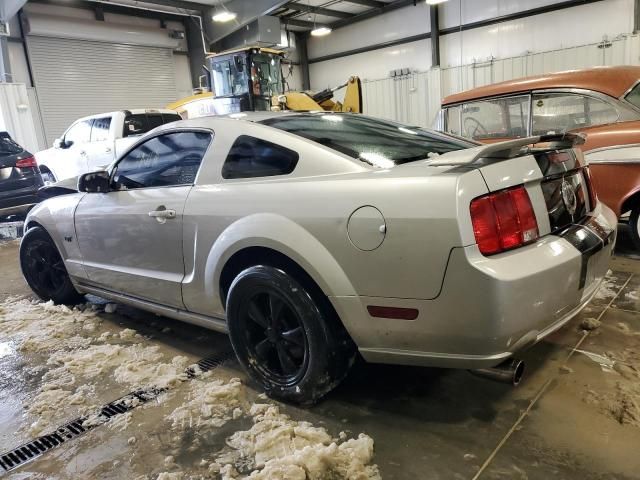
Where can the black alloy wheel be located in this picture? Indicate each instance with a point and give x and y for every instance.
(286, 334)
(275, 337)
(44, 270)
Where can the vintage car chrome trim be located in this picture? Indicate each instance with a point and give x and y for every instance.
(613, 161)
(217, 324)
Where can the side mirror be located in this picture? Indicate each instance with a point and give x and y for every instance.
(94, 182)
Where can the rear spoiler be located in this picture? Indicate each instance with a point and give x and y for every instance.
(509, 149)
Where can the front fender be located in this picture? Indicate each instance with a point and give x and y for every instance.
(283, 235)
(55, 215)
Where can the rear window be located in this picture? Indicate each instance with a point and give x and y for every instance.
(139, 123)
(377, 142)
(252, 157)
(8, 146)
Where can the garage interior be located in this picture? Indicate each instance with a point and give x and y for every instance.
(104, 390)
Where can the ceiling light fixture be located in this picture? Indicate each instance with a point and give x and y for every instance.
(320, 31)
(225, 16)
(435, 2)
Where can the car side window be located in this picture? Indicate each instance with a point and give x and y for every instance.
(252, 157)
(100, 129)
(452, 115)
(139, 123)
(166, 160)
(559, 112)
(80, 132)
(499, 118)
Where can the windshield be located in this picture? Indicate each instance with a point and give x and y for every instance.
(633, 96)
(229, 77)
(8, 146)
(265, 75)
(377, 142)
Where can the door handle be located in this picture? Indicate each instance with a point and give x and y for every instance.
(108, 149)
(82, 152)
(162, 214)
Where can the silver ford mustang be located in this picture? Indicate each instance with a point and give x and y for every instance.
(309, 237)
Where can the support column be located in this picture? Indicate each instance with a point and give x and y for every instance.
(196, 47)
(301, 45)
(636, 16)
(435, 35)
(5, 68)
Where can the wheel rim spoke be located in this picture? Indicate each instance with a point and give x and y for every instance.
(286, 362)
(263, 349)
(275, 309)
(294, 336)
(256, 315)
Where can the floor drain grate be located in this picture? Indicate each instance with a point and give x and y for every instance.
(34, 448)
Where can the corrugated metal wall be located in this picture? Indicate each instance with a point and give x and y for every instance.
(415, 98)
(75, 78)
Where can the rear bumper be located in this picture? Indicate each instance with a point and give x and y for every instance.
(489, 308)
(21, 200)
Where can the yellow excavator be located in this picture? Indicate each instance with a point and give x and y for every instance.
(250, 79)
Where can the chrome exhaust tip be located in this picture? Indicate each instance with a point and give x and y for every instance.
(509, 371)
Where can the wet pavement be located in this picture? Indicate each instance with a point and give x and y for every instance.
(575, 415)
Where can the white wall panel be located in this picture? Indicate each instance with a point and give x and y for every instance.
(17, 116)
(371, 65)
(478, 10)
(550, 31)
(396, 24)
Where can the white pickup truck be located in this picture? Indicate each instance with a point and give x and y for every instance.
(93, 142)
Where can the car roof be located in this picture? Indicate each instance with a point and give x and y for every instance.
(613, 81)
(253, 117)
(133, 111)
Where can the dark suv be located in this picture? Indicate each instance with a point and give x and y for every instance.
(19, 178)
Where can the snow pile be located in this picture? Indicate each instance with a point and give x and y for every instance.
(279, 448)
(80, 357)
(211, 403)
(40, 327)
(608, 288)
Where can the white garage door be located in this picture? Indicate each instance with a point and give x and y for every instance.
(75, 78)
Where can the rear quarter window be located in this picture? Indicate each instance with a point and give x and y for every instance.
(251, 157)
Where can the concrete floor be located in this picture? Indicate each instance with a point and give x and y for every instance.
(570, 418)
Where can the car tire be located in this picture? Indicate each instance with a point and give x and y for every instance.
(47, 175)
(286, 335)
(634, 226)
(44, 270)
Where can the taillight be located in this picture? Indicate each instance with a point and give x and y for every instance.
(29, 162)
(503, 220)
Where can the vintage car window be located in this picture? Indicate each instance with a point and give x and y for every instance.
(163, 161)
(139, 123)
(498, 118)
(80, 132)
(452, 115)
(633, 97)
(251, 157)
(560, 112)
(100, 129)
(380, 143)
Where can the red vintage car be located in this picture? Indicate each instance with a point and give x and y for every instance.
(603, 103)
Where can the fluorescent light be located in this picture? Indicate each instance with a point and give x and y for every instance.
(224, 16)
(435, 2)
(320, 31)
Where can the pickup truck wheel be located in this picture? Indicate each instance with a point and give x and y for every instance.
(47, 175)
(44, 270)
(634, 226)
(283, 337)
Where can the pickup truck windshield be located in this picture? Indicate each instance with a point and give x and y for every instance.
(377, 142)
